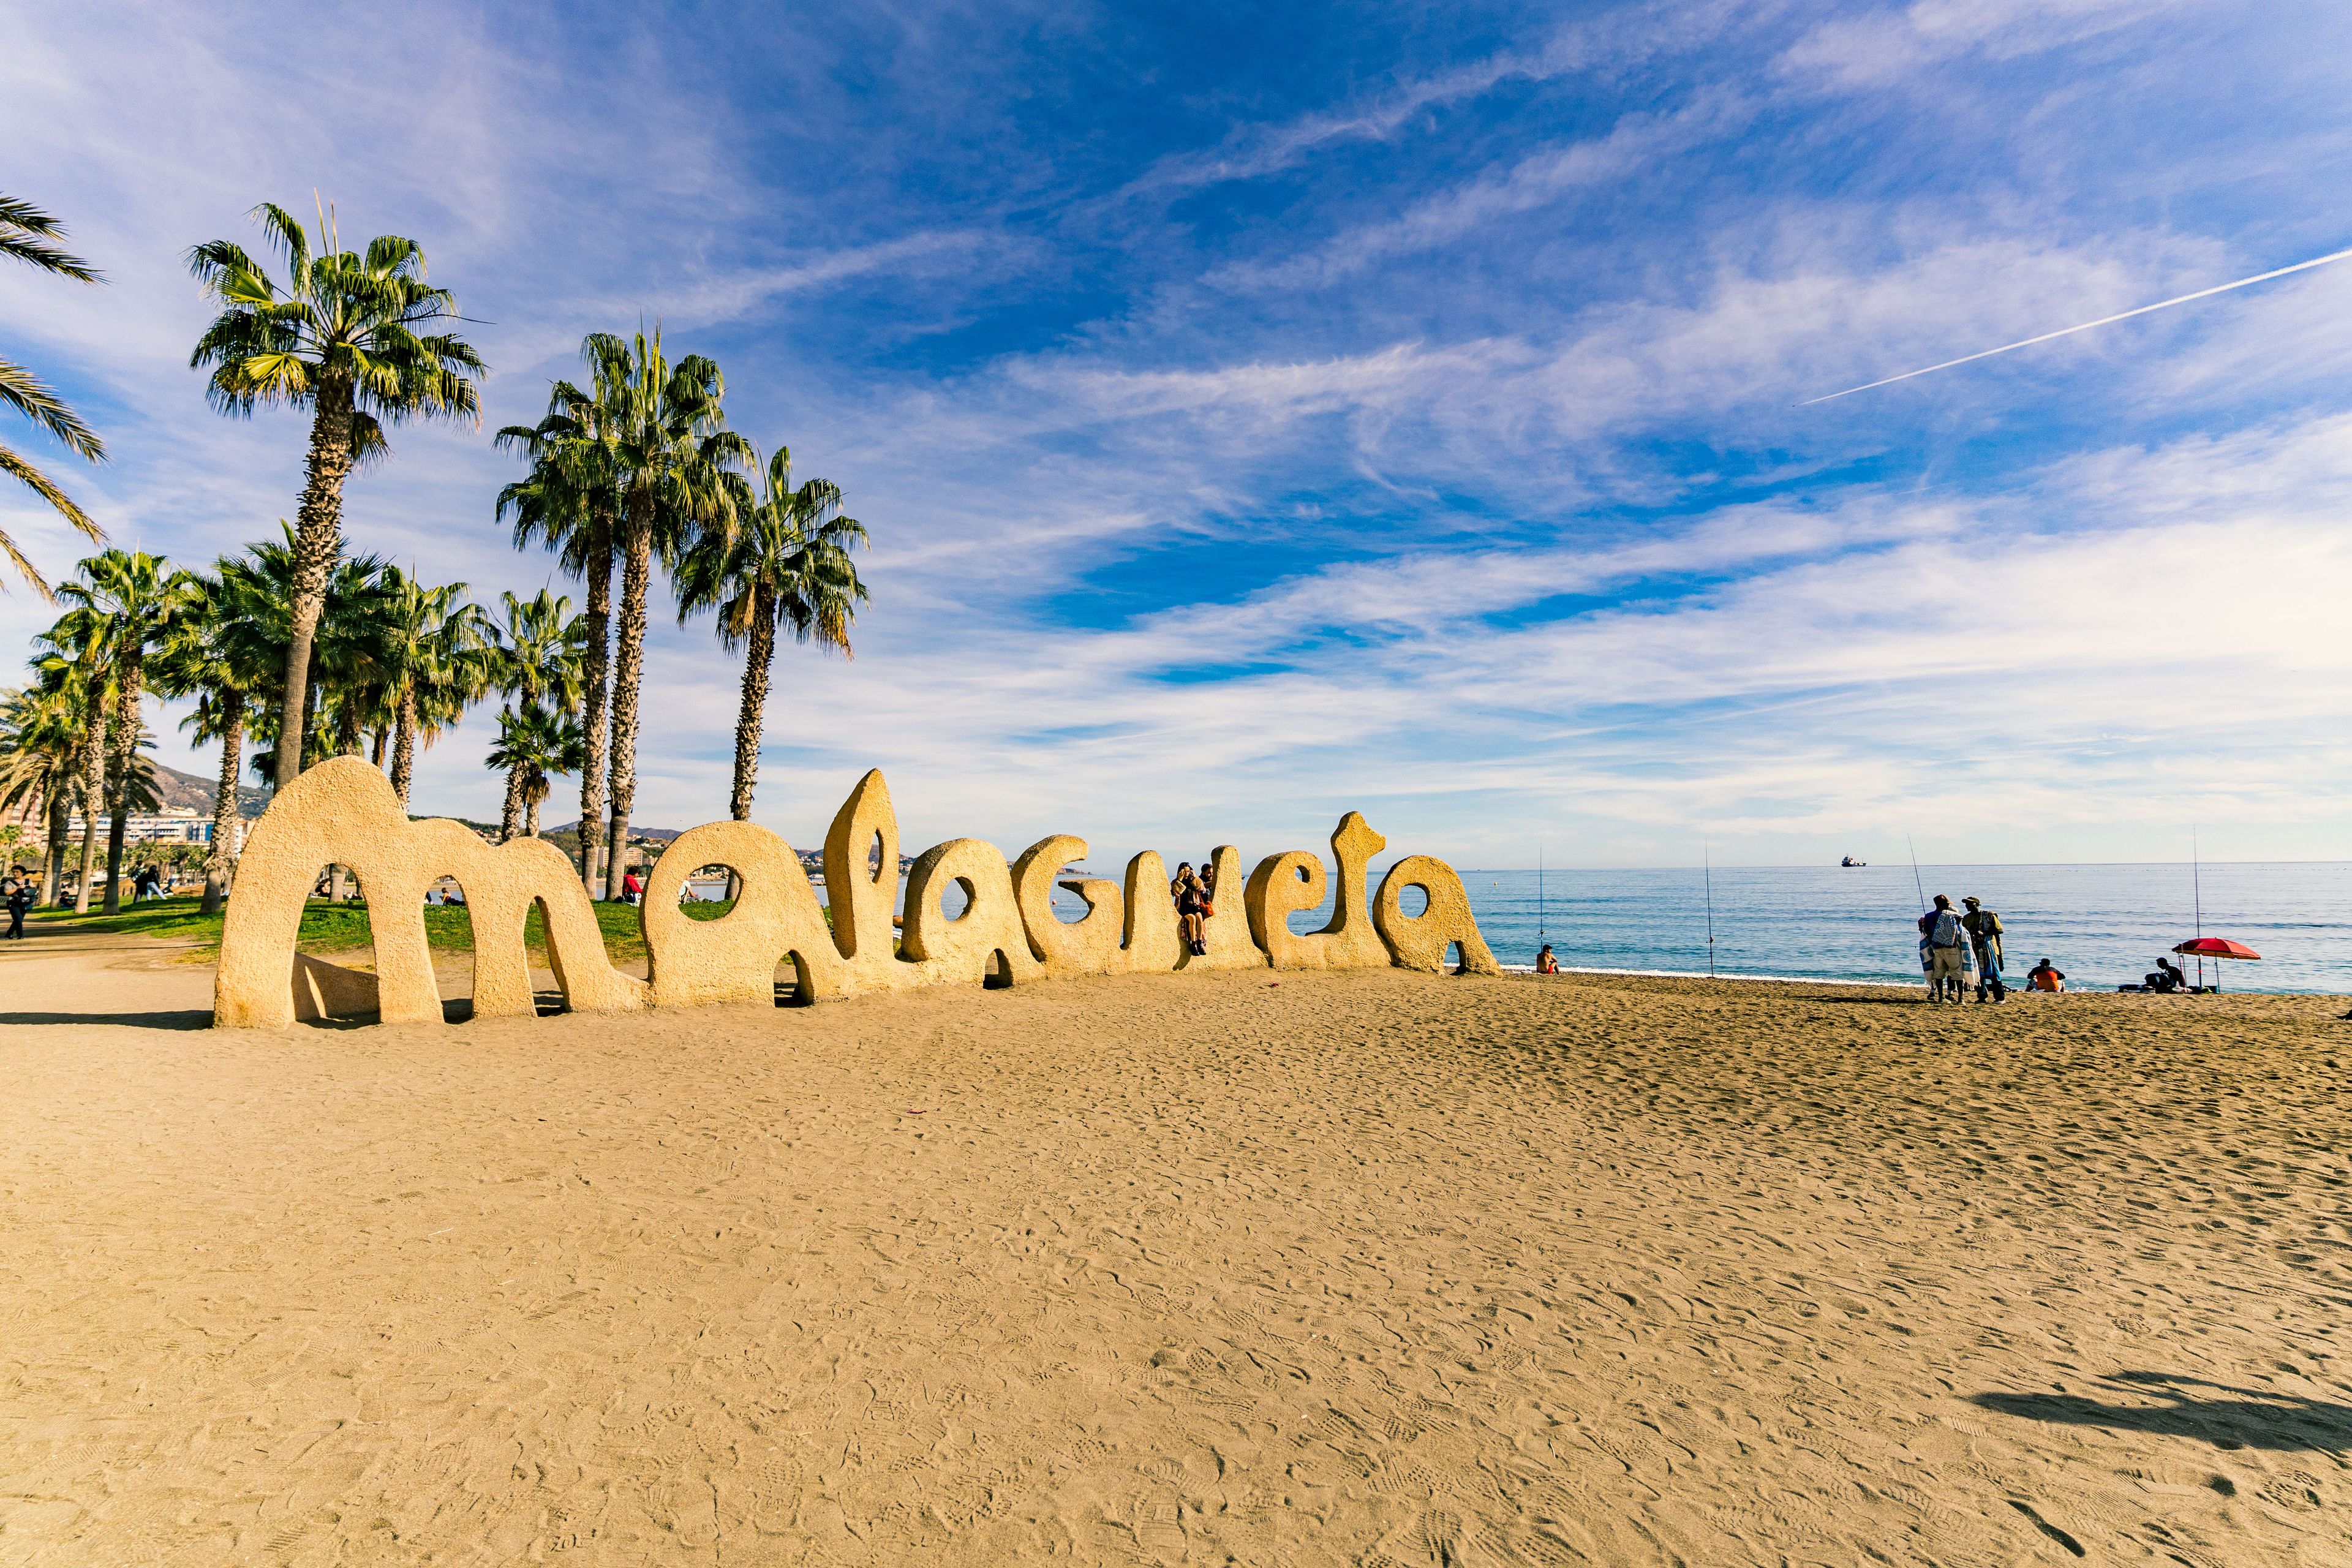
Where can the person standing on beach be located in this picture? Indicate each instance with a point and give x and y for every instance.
(1984, 935)
(1946, 942)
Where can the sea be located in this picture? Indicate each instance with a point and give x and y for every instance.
(2103, 925)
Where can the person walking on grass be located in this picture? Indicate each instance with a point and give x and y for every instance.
(1984, 936)
(1944, 947)
(20, 900)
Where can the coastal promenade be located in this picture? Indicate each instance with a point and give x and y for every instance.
(1368, 1266)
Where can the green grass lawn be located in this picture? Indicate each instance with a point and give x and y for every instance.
(331, 928)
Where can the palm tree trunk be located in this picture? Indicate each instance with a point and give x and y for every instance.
(756, 659)
(225, 815)
(53, 875)
(531, 822)
(636, 565)
(310, 732)
(596, 675)
(318, 539)
(511, 818)
(126, 753)
(376, 746)
(93, 794)
(404, 746)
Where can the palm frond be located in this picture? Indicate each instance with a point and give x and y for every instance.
(20, 389)
(39, 483)
(25, 232)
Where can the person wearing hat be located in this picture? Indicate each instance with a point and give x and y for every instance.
(1984, 935)
(1944, 951)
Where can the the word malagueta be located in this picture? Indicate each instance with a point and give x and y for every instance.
(343, 813)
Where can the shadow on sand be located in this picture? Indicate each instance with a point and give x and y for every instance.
(183, 1018)
(2246, 1418)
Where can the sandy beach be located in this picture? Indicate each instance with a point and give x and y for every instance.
(1367, 1268)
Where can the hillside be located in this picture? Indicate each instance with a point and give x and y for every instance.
(174, 788)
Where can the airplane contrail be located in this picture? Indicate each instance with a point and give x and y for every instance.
(2086, 326)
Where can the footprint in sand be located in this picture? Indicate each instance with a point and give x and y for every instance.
(2294, 1489)
(1406, 1477)
(776, 1497)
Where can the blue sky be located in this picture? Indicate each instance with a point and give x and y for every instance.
(1263, 411)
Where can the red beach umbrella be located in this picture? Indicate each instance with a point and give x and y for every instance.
(2216, 947)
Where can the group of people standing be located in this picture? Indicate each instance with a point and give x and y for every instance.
(1954, 946)
(1195, 893)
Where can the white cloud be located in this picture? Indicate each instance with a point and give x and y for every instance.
(1881, 47)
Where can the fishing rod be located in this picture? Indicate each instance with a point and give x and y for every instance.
(1540, 892)
(2197, 892)
(1915, 873)
(1707, 861)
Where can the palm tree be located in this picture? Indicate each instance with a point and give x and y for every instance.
(537, 655)
(347, 339)
(81, 662)
(349, 639)
(784, 563)
(27, 233)
(217, 648)
(570, 500)
(438, 658)
(533, 743)
(672, 457)
(133, 592)
(41, 740)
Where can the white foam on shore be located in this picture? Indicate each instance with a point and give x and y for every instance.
(1702, 974)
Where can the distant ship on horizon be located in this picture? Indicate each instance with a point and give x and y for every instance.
(1850, 861)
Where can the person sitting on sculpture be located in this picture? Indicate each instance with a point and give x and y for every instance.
(1191, 925)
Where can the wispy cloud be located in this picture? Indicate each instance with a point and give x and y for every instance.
(1422, 435)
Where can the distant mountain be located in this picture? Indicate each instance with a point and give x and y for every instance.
(650, 834)
(174, 788)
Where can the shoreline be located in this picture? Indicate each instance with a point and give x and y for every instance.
(1702, 974)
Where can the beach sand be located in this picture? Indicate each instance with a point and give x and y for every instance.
(1368, 1268)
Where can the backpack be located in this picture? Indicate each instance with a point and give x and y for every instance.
(1947, 931)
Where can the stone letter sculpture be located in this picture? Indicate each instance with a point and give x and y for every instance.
(1295, 880)
(1419, 941)
(734, 957)
(343, 813)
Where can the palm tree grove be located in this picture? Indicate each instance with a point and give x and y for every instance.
(306, 645)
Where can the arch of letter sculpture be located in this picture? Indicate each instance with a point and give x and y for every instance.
(343, 813)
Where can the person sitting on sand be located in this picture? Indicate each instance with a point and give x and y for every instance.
(2046, 976)
(1544, 962)
(2168, 978)
(1946, 942)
